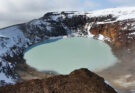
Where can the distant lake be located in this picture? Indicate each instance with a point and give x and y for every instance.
(65, 55)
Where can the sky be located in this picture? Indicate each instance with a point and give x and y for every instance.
(19, 11)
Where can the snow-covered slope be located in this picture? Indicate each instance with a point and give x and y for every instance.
(15, 39)
(11, 36)
(11, 41)
(122, 13)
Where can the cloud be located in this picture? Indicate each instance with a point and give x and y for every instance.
(34, 5)
(123, 2)
(17, 11)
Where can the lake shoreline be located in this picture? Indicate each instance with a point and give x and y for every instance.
(78, 52)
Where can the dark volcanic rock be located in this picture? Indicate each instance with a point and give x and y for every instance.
(78, 81)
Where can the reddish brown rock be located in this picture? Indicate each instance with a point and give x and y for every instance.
(78, 81)
(118, 32)
(121, 35)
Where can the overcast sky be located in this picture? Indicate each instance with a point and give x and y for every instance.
(19, 11)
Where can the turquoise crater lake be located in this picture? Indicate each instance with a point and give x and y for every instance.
(65, 55)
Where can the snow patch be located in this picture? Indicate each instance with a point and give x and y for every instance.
(107, 82)
(3, 77)
(101, 37)
(132, 33)
(88, 27)
(58, 37)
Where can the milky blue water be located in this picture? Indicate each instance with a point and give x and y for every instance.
(65, 55)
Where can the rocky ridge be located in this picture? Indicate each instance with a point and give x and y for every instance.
(78, 81)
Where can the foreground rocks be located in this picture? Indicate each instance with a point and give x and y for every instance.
(78, 81)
